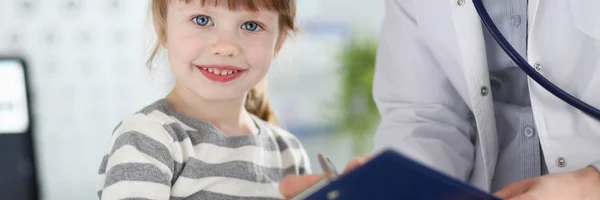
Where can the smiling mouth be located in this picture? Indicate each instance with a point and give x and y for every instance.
(222, 72)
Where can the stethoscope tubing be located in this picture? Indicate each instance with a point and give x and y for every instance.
(530, 71)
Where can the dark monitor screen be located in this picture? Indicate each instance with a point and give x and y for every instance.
(18, 179)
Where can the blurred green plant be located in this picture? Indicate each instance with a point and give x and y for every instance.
(359, 115)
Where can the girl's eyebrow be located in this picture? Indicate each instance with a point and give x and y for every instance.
(258, 15)
(195, 10)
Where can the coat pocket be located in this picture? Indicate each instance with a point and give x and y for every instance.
(586, 16)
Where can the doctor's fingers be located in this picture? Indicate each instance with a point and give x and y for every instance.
(516, 189)
(357, 162)
(293, 185)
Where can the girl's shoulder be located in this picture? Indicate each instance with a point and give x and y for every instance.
(151, 120)
(289, 146)
(282, 136)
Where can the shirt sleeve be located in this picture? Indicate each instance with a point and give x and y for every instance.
(139, 163)
(596, 165)
(422, 112)
(293, 152)
(304, 160)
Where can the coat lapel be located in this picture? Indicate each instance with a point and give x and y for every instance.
(532, 8)
(471, 47)
(456, 32)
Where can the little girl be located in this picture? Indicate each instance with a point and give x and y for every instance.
(214, 136)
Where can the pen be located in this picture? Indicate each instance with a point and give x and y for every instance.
(328, 167)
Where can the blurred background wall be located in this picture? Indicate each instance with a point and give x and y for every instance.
(87, 72)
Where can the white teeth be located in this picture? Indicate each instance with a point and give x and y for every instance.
(220, 72)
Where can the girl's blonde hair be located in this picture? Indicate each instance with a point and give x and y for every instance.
(257, 101)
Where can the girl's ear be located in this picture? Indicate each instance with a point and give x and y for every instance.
(160, 27)
(280, 41)
(161, 35)
(159, 20)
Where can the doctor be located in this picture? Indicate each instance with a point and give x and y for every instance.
(451, 98)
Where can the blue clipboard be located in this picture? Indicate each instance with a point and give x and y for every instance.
(390, 175)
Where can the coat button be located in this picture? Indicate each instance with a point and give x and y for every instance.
(561, 162)
(484, 91)
(460, 2)
(537, 67)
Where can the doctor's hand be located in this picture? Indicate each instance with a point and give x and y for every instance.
(581, 184)
(293, 185)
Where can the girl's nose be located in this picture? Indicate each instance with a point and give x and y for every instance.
(226, 49)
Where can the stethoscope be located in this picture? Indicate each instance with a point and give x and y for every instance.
(522, 63)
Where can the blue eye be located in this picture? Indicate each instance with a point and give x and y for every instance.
(203, 20)
(251, 26)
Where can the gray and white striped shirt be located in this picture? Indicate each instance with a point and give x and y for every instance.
(159, 153)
